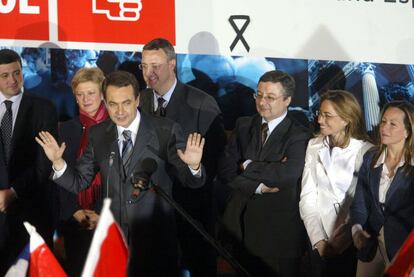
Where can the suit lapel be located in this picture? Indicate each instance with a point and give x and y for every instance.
(254, 145)
(145, 137)
(147, 101)
(325, 158)
(111, 139)
(374, 183)
(276, 137)
(22, 115)
(175, 104)
(398, 182)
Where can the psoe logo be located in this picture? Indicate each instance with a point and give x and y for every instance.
(129, 10)
(24, 7)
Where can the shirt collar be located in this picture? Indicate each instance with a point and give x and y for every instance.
(15, 99)
(133, 127)
(166, 96)
(272, 124)
(381, 160)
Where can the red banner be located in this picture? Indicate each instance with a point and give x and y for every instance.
(116, 21)
(24, 19)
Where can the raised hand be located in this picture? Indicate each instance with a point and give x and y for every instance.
(193, 151)
(52, 149)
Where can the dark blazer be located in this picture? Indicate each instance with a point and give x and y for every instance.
(146, 220)
(397, 215)
(195, 111)
(268, 225)
(27, 173)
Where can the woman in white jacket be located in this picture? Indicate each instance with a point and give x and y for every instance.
(332, 161)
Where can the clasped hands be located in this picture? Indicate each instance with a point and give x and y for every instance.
(87, 219)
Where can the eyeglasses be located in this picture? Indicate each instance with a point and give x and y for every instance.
(267, 99)
(325, 115)
(153, 66)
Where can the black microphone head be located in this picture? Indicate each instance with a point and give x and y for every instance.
(111, 158)
(149, 165)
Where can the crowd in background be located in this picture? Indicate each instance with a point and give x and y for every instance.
(286, 198)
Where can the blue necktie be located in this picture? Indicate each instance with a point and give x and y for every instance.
(6, 129)
(126, 147)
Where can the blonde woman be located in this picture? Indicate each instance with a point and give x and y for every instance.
(332, 161)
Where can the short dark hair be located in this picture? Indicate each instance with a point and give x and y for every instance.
(9, 56)
(120, 79)
(277, 76)
(163, 44)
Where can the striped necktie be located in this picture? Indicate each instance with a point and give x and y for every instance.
(263, 132)
(126, 147)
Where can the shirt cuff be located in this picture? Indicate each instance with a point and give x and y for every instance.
(259, 189)
(246, 163)
(58, 173)
(15, 193)
(356, 228)
(196, 173)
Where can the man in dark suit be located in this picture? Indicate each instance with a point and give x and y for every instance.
(195, 111)
(24, 169)
(263, 163)
(117, 148)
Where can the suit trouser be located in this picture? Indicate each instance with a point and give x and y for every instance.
(342, 265)
(377, 266)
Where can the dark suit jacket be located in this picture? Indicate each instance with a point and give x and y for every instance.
(195, 111)
(397, 215)
(146, 220)
(27, 173)
(269, 225)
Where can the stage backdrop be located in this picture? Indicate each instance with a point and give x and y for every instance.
(347, 30)
(363, 46)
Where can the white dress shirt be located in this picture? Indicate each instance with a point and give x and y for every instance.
(166, 96)
(17, 99)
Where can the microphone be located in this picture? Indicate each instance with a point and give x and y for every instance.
(140, 179)
(110, 163)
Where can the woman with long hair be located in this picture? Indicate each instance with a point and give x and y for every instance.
(383, 207)
(332, 161)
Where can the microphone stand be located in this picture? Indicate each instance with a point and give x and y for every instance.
(220, 249)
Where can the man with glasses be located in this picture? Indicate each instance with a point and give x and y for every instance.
(263, 163)
(195, 111)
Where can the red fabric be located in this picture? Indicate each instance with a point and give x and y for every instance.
(44, 264)
(403, 262)
(88, 197)
(113, 257)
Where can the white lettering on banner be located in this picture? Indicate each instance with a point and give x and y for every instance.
(25, 8)
(124, 11)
